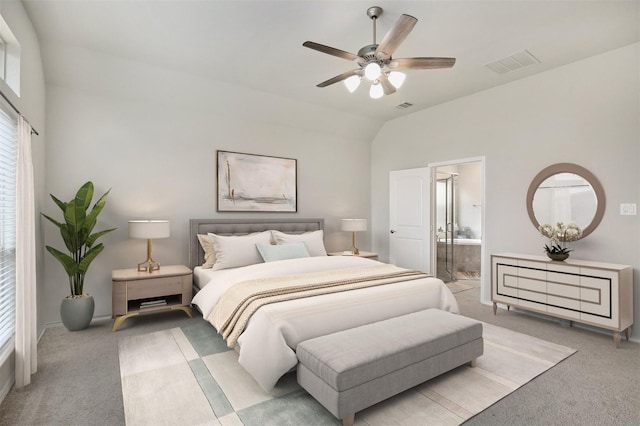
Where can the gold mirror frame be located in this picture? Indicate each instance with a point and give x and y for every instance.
(568, 168)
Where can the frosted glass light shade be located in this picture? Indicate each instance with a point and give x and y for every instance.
(372, 71)
(354, 225)
(396, 78)
(352, 83)
(376, 90)
(149, 229)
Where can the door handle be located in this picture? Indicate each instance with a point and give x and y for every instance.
(392, 231)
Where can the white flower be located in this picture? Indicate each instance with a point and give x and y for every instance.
(560, 235)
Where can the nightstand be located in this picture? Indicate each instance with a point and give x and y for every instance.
(362, 253)
(135, 292)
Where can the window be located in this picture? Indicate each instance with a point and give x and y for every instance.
(8, 158)
(10, 52)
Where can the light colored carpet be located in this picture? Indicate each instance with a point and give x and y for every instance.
(187, 375)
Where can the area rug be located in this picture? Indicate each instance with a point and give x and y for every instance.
(188, 376)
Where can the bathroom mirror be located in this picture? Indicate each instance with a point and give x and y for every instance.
(566, 193)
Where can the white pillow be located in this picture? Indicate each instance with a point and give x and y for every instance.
(313, 240)
(271, 253)
(207, 247)
(235, 251)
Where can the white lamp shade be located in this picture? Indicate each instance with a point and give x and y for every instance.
(396, 78)
(354, 225)
(352, 83)
(376, 91)
(149, 229)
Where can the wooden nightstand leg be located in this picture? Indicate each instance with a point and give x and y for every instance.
(120, 319)
(186, 309)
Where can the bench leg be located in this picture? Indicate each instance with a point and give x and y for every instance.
(349, 420)
(473, 362)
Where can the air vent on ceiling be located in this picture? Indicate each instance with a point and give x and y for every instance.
(514, 62)
(404, 105)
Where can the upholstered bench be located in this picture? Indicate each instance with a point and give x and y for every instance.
(354, 369)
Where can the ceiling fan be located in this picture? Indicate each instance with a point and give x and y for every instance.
(375, 61)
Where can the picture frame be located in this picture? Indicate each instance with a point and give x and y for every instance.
(256, 183)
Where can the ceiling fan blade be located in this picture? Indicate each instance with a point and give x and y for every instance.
(421, 63)
(331, 51)
(387, 87)
(395, 36)
(338, 78)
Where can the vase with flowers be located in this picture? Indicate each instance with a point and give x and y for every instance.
(559, 235)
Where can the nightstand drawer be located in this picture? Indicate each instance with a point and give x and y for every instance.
(164, 286)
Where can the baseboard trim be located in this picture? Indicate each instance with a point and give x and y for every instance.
(59, 323)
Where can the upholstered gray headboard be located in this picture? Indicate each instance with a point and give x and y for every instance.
(243, 227)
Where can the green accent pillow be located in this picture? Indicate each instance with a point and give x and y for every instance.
(272, 253)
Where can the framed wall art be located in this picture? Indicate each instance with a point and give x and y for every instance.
(256, 183)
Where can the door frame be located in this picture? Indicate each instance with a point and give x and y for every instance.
(485, 275)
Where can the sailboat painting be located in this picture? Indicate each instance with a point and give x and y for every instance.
(256, 183)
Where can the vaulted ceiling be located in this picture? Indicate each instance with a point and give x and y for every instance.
(258, 44)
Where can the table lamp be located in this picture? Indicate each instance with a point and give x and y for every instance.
(149, 229)
(354, 225)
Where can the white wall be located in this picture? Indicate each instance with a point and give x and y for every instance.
(155, 146)
(586, 113)
(31, 103)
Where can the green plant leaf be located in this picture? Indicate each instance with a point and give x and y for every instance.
(89, 256)
(92, 238)
(61, 204)
(52, 220)
(84, 196)
(69, 265)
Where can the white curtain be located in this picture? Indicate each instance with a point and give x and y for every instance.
(26, 312)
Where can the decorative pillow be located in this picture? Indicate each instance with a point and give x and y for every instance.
(313, 240)
(271, 252)
(209, 254)
(235, 251)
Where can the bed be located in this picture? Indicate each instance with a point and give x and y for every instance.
(269, 334)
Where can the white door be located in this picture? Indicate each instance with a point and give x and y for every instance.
(409, 219)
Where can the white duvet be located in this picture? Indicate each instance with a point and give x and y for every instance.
(267, 345)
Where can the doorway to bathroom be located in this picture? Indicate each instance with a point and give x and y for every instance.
(458, 220)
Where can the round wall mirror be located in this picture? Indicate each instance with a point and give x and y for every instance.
(566, 193)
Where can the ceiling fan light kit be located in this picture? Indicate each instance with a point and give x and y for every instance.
(376, 91)
(372, 71)
(352, 83)
(375, 61)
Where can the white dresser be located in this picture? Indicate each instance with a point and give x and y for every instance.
(595, 293)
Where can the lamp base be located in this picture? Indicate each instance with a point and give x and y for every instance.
(148, 266)
(354, 249)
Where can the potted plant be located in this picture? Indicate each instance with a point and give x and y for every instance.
(80, 218)
(560, 235)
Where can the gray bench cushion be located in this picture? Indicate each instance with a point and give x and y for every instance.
(349, 358)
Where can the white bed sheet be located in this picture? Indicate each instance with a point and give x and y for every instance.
(267, 345)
